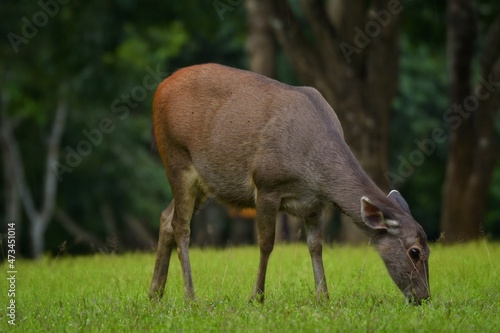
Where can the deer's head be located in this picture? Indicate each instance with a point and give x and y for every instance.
(402, 244)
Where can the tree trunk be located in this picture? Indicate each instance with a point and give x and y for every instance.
(359, 85)
(260, 44)
(471, 156)
(39, 219)
(37, 228)
(12, 199)
(11, 193)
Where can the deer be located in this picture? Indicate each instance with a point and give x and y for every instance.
(249, 141)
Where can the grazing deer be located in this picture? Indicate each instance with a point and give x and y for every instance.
(250, 141)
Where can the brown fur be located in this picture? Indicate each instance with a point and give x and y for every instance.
(250, 141)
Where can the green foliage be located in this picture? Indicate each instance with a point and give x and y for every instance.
(110, 293)
(102, 53)
(154, 45)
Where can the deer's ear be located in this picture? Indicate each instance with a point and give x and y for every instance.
(373, 217)
(398, 198)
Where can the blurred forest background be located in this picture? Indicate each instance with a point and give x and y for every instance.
(414, 84)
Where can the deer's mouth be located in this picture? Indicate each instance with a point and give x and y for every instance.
(413, 299)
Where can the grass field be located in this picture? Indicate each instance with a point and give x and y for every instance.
(108, 293)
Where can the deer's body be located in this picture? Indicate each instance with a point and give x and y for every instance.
(250, 141)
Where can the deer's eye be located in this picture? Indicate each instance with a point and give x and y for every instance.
(414, 253)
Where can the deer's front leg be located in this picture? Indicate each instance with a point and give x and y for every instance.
(314, 232)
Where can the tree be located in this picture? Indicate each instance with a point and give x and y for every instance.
(351, 57)
(260, 44)
(15, 177)
(472, 152)
(21, 110)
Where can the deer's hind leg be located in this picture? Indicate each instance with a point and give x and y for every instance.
(164, 251)
(188, 196)
(267, 206)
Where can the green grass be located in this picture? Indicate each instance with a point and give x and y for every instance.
(108, 293)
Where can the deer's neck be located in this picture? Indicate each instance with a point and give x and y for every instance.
(349, 183)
